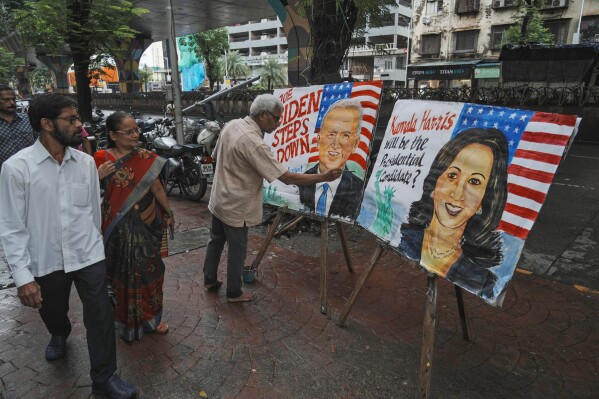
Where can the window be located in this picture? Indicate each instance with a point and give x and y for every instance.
(555, 4)
(589, 29)
(497, 33)
(430, 44)
(400, 62)
(466, 41)
(559, 29)
(433, 7)
(464, 6)
(503, 3)
(389, 64)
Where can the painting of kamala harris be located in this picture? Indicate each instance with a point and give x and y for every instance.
(452, 228)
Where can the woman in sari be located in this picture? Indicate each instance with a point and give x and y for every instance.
(135, 216)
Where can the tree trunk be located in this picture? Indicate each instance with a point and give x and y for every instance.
(525, 21)
(331, 24)
(84, 95)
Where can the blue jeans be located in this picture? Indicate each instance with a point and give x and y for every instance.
(237, 239)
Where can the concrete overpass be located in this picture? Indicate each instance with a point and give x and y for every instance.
(190, 16)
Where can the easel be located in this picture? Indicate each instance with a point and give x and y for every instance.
(430, 313)
(324, 244)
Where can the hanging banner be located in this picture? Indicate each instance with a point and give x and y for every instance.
(325, 127)
(457, 187)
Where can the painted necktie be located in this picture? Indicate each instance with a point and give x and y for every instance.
(322, 200)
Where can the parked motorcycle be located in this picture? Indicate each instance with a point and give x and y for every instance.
(187, 167)
(209, 135)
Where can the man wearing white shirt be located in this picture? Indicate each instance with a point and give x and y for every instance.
(50, 230)
(338, 138)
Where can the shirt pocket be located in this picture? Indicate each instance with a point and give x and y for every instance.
(80, 194)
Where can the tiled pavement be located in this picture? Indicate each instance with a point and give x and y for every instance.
(543, 343)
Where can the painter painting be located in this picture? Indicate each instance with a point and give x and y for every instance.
(325, 127)
(457, 187)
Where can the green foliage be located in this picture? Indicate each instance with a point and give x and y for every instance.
(529, 27)
(79, 28)
(209, 46)
(39, 79)
(236, 66)
(8, 64)
(145, 75)
(333, 23)
(272, 73)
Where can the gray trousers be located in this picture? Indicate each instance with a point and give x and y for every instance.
(237, 240)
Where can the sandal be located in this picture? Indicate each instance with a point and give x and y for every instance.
(162, 328)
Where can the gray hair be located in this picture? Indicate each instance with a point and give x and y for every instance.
(265, 103)
(347, 103)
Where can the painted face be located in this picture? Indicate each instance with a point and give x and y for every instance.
(338, 138)
(127, 136)
(67, 127)
(461, 187)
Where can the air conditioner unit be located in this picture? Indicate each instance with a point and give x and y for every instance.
(426, 20)
(555, 4)
(497, 4)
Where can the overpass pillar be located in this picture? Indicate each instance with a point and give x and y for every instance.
(128, 65)
(59, 67)
(297, 30)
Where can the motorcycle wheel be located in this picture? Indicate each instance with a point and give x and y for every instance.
(195, 192)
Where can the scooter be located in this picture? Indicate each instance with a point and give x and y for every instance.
(187, 167)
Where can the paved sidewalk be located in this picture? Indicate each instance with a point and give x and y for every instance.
(543, 343)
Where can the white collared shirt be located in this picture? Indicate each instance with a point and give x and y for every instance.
(49, 213)
(330, 193)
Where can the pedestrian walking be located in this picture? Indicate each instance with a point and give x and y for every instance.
(16, 132)
(50, 230)
(244, 161)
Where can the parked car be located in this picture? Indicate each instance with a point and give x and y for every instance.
(22, 105)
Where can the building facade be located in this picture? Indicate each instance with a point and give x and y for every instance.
(258, 40)
(456, 43)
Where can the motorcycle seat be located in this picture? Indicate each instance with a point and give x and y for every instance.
(192, 149)
(177, 150)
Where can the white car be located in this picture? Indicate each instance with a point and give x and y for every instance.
(22, 105)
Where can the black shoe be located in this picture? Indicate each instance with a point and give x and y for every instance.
(213, 286)
(57, 348)
(115, 388)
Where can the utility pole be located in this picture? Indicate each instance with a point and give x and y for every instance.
(576, 38)
(174, 64)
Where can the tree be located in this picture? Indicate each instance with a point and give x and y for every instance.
(145, 75)
(209, 46)
(79, 28)
(40, 78)
(8, 65)
(235, 65)
(333, 23)
(272, 72)
(528, 28)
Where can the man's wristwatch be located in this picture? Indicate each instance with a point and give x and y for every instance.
(170, 214)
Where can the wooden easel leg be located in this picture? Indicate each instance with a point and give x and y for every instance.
(324, 246)
(268, 239)
(288, 225)
(428, 336)
(462, 310)
(343, 239)
(378, 252)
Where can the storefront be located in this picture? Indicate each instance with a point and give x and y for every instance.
(487, 74)
(440, 74)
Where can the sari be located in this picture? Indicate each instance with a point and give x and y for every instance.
(134, 229)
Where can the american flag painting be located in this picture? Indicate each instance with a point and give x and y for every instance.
(369, 95)
(457, 187)
(536, 144)
(331, 110)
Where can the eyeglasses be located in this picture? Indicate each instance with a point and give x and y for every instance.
(130, 132)
(9, 99)
(71, 119)
(275, 117)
